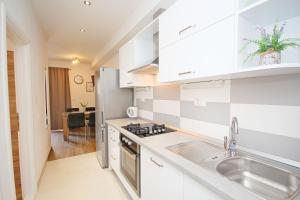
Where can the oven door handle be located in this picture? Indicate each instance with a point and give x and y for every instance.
(132, 154)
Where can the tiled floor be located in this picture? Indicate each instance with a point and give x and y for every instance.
(79, 178)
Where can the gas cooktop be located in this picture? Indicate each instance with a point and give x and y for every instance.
(146, 130)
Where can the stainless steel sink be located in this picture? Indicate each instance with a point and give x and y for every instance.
(196, 151)
(266, 180)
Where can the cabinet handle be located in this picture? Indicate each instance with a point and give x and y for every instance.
(186, 28)
(156, 163)
(129, 83)
(184, 73)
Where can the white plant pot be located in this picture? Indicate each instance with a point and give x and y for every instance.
(270, 58)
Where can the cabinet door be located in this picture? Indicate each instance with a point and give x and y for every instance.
(159, 180)
(212, 50)
(186, 17)
(193, 190)
(114, 149)
(110, 147)
(205, 53)
(127, 61)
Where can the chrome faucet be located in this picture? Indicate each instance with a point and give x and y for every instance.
(234, 130)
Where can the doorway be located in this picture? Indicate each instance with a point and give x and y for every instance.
(71, 133)
(20, 110)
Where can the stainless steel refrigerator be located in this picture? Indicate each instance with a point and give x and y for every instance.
(111, 103)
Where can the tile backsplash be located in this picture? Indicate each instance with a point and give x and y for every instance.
(267, 108)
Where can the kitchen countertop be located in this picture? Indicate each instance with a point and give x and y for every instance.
(157, 144)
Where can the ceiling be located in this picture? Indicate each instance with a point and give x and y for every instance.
(63, 19)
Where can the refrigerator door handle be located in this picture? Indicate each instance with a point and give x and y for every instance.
(102, 120)
(102, 135)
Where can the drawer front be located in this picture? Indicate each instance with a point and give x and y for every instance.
(114, 135)
(115, 158)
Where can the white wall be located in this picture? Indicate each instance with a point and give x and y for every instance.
(113, 61)
(78, 92)
(10, 45)
(267, 108)
(21, 16)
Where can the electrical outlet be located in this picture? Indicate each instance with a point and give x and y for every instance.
(200, 102)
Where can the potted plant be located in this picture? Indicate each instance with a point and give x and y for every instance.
(84, 105)
(270, 46)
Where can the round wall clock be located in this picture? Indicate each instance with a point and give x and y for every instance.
(78, 79)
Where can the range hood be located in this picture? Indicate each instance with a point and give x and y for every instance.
(151, 68)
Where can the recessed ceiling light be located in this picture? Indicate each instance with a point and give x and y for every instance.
(88, 3)
(82, 30)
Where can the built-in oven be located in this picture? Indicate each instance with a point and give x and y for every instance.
(130, 162)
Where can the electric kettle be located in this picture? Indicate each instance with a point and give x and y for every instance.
(132, 112)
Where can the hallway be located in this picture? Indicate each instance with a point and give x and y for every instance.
(77, 178)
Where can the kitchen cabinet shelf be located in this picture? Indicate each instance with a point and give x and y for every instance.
(267, 70)
(266, 12)
(251, 72)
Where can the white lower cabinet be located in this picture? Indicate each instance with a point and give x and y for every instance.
(193, 190)
(114, 149)
(159, 180)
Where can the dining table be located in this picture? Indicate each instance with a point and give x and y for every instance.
(65, 122)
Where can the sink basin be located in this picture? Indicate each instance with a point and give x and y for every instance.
(263, 179)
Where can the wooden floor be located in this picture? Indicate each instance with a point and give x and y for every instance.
(76, 146)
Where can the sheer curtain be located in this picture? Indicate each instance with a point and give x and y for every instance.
(60, 96)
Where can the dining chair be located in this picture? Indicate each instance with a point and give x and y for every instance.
(90, 109)
(91, 122)
(72, 109)
(76, 120)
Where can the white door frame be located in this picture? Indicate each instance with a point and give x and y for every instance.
(24, 106)
(7, 183)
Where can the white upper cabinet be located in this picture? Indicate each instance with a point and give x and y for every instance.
(132, 54)
(186, 17)
(205, 53)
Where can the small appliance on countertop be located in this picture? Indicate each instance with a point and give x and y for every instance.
(148, 129)
(132, 112)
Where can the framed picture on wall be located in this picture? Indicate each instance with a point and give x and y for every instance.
(89, 87)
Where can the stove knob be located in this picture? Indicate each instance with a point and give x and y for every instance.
(159, 130)
(129, 143)
(123, 139)
(126, 140)
(154, 131)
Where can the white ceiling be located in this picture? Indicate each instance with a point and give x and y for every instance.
(63, 19)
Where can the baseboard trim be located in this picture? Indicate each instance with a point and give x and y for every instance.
(44, 167)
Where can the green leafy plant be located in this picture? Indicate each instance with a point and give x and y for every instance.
(270, 42)
(84, 104)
